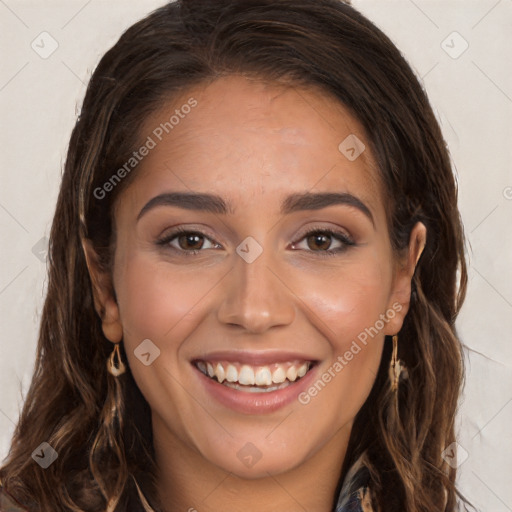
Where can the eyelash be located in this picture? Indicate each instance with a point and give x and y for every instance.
(338, 235)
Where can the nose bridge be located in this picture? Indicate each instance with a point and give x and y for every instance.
(255, 298)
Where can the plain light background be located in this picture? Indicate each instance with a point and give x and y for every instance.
(470, 89)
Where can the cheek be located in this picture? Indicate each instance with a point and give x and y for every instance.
(348, 300)
(157, 299)
(350, 309)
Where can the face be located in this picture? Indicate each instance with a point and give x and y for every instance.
(252, 249)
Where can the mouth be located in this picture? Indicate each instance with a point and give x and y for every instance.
(255, 378)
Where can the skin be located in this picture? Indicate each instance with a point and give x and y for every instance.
(252, 143)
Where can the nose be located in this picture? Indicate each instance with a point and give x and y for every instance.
(257, 297)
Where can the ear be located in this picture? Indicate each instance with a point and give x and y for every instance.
(103, 293)
(400, 297)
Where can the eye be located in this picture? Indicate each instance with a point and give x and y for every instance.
(187, 242)
(320, 240)
(317, 240)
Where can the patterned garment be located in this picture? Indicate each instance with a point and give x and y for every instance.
(355, 493)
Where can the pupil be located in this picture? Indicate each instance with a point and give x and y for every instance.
(319, 238)
(192, 239)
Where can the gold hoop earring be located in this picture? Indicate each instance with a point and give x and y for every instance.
(111, 366)
(396, 367)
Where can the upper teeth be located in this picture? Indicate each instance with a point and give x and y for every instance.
(255, 375)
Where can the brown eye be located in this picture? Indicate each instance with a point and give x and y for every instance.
(186, 242)
(321, 240)
(191, 241)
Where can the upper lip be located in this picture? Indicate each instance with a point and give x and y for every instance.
(254, 358)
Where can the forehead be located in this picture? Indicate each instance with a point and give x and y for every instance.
(245, 137)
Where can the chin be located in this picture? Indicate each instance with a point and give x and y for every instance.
(253, 460)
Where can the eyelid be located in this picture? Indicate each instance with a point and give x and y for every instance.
(335, 231)
(173, 231)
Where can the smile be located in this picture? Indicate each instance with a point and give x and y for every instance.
(254, 379)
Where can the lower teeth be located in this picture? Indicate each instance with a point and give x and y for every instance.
(255, 389)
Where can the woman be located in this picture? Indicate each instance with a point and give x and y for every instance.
(300, 353)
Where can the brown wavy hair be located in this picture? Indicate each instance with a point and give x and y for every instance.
(99, 424)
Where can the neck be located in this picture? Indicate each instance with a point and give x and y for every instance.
(190, 483)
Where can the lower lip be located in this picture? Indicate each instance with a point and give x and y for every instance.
(255, 403)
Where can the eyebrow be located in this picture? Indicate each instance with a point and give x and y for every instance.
(293, 203)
